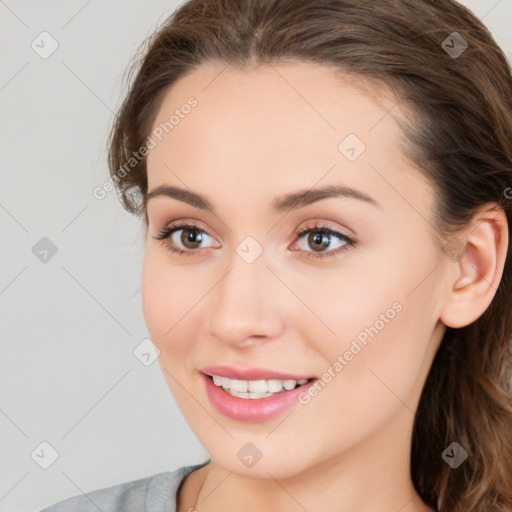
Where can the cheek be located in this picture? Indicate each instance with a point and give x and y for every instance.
(165, 297)
(383, 320)
(152, 292)
(165, 302)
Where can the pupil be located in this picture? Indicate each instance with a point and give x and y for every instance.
(191, 236)
(317, 239)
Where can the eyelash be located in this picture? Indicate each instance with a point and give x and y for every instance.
(167, 231)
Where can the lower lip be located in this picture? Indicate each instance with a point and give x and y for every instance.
(247, 409)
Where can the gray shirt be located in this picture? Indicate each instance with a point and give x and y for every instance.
(156, 493)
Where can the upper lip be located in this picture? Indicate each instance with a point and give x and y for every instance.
(251, 373)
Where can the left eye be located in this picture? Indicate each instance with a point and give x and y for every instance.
(320, 237)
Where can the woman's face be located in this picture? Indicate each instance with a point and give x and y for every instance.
(250, 293)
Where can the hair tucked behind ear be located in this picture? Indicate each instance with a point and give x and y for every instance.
(460, 137)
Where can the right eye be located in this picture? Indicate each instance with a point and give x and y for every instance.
(189, 237)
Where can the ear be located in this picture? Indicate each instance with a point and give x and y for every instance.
(476, 273)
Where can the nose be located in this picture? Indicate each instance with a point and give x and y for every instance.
(247, 304)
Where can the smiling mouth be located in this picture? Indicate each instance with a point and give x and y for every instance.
(256, 389)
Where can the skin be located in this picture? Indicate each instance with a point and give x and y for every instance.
(256, 135)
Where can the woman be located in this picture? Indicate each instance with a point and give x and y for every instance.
(326, 193)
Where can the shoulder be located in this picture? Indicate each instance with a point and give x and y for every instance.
(155, 493)
(127, 496)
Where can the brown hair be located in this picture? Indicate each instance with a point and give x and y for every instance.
(459, 135)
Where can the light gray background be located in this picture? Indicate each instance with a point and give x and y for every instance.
(69, 326)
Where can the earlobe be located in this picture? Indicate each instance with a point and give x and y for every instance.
(479, 268)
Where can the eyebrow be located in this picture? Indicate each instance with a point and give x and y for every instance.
(293, 201)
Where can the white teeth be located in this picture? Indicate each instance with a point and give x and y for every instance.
(289, 384)
(239, 386)
(248, 395)
(255, 388)
(274, 386)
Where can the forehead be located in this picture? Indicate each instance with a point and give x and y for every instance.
(278, 127)
(292, 100)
